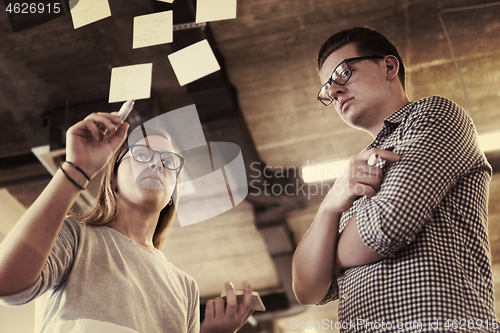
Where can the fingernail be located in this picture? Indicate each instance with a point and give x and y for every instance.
(229, 284)
(246, 283)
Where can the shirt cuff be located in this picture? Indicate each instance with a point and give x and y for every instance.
(332, 294)
(22, 297)
(369, 228)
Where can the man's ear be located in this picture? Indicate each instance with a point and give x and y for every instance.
(392, 67)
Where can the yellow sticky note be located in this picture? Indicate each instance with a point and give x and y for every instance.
(84, 12)
(153, 29)
(215, 10)
(193, 62)
(130, 82)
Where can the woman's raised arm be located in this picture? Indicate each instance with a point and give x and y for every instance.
(26, 248)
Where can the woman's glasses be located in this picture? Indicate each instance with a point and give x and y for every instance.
(144, 154)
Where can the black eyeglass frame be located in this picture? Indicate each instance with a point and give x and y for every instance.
(330, 80)
(120, 157)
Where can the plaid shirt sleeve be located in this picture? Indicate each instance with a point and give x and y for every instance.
(436, 149)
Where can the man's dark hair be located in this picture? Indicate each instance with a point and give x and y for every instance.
(367, 42)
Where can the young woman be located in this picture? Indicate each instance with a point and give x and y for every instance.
(106, 273)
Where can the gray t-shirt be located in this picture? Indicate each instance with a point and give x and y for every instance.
(99, 280)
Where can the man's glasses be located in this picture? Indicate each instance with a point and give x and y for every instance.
(340, 75)
(144, 154)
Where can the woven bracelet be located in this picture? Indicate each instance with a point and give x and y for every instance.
(71, 179)
(77, 168)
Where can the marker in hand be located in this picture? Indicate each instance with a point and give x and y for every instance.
(122, 114)
(372, 161)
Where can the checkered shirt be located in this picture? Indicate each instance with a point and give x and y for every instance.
(429, 220)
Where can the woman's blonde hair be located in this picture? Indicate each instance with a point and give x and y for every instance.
(105, 209)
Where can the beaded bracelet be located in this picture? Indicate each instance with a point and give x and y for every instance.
(71, 179)
(77, 168)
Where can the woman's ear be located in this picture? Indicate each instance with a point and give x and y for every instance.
(392, 67)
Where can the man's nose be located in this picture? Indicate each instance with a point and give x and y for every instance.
(335, 91)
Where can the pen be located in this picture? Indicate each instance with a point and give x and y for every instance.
(122, 114)
(372, 161)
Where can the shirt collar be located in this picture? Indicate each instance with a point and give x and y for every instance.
(397, 116)
(392, 122)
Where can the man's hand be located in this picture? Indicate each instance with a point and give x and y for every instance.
(359, 179)
(227, 319)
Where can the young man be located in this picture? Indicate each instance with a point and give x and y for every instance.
(402, 244)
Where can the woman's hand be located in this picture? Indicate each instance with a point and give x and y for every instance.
(84, 141)
(227, 319)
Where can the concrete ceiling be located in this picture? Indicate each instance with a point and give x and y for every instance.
(263, 99)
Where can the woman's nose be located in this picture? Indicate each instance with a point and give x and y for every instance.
(155, 163)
